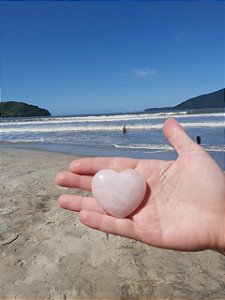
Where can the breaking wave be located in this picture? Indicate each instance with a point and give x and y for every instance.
(164, 147)
(49, 128)
(104, 118)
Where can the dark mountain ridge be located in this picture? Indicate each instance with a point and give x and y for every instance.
(210, 102)
(21, 109)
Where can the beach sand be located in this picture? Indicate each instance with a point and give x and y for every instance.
(46, 252)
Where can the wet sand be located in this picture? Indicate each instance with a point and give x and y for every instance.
(46, 253)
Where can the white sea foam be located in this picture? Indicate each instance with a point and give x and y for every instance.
(165, 147)
(106, 118)
(92, 128)
(214, 148)
(25, 140)
(161, 147)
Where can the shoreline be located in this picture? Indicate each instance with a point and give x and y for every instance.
(50, 254)
(84, 150)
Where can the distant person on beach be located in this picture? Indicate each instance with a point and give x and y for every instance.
(124, 129)
(183, 208)
(198, 140)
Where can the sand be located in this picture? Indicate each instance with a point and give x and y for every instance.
(46, 253)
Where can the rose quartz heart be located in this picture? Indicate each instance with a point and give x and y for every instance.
(118, 193)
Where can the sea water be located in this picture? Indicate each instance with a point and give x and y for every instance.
(102, 134)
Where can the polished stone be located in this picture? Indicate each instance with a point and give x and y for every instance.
(119, 193)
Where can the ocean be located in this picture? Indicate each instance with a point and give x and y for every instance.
(101, 135)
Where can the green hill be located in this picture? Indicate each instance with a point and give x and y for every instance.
(207, 102)
(212, 100)
(20, 109)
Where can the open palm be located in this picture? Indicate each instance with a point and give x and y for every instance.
(183, 208)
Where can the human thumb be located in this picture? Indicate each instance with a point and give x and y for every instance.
(177, 137)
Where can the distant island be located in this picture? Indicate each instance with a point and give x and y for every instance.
(20, 109)
(205, 103)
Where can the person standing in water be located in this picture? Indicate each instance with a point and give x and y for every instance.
(198, 140)
(124, 129)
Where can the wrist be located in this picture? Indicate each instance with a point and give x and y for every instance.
(220, 246)
(220, 243)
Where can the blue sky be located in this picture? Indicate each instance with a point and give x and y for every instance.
(121, 56)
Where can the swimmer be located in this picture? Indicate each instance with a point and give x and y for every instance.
(198, 140)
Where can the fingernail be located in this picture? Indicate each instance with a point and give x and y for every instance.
(75, 165)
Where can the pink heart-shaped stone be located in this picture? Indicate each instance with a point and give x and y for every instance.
(118, 193)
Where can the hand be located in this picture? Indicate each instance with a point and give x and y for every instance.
(184, 205)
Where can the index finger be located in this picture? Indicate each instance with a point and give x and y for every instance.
(91, 165)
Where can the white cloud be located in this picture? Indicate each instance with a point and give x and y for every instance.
(144, 72)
